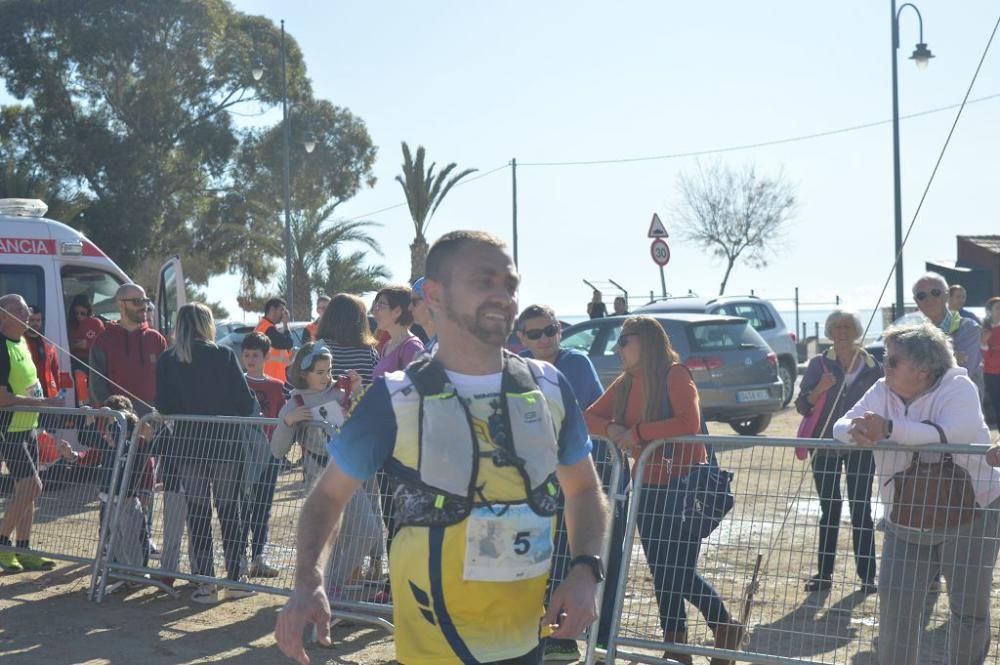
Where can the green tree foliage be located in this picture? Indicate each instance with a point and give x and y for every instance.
(131, 107)
(351, 274)
(425, 190)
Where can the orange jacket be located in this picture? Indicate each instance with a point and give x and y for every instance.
(277, 359)
(686, 419)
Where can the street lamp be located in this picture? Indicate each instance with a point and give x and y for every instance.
(308, 141)
(922, 57)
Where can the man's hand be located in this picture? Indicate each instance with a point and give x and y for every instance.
(574, 604)
(302, 609)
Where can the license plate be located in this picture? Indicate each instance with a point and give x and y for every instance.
(752, 395)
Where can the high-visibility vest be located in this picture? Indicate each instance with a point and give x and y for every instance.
(277, 359)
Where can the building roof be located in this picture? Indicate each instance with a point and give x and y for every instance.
(989, 243)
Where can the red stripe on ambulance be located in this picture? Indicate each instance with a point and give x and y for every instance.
(27, 246)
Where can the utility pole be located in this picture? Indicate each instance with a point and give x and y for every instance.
(513, 179)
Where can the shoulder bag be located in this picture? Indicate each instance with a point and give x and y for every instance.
(933, 495)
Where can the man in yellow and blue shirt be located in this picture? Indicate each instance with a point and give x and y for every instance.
(476, 439)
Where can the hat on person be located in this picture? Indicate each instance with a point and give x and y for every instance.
(418, 288)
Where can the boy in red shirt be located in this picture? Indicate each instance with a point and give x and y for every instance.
(259, 494)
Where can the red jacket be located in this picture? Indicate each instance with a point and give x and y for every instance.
(129, 360)
(44, 355)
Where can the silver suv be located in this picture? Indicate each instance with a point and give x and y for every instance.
(762, 316)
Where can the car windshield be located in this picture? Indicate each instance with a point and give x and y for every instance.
(724, 336)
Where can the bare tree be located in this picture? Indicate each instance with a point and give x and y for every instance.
(734, 213)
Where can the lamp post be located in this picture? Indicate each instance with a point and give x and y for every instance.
(308, 141)
(922, 57)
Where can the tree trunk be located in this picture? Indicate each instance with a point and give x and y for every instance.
(725, 278)
(418, 257)
(302, 298)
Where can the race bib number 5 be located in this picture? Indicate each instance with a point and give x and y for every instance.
(506, 544)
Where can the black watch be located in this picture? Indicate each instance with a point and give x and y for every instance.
(591, 561)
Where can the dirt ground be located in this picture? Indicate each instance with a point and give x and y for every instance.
(47, 618)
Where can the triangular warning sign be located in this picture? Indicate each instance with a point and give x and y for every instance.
(657, 229)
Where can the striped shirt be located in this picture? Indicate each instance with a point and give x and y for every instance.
(362, 359)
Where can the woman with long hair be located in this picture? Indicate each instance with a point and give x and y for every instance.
(655, 398)
(391, 310)
(196, 377)
(345, 331)
(83, 327)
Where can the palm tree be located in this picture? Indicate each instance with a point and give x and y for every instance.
(348, 274)
(424, 193)
(314, 238)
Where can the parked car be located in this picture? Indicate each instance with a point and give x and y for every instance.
(762, 316)
(234, 339)
(735, 370)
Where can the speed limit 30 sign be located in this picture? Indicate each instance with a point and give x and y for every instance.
(660, 252)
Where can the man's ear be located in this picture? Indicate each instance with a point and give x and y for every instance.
(433, 292)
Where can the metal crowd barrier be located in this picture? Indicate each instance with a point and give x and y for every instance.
(68, 523)
(225, 503)
(764, 551)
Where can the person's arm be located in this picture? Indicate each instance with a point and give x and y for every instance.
(283, 434)
(868, 402)
(956, 412)
(804, 402)
(281, 341)
(319, 526)
(574, 602)
(599, 415)
(97, 384)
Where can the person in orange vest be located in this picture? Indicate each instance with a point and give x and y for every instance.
(275, 313)
(321, 302)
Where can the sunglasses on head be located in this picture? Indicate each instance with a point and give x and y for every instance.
(550, 330)
(922, 295)
(623, 340)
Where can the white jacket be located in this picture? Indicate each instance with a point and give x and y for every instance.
(953, 404)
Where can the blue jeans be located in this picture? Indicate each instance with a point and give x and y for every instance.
(859, 466)
(672, 559)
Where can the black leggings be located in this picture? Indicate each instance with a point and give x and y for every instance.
(992, 382)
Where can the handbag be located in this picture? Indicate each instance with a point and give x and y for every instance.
(933, 495)
(707, 499)
(807, 428)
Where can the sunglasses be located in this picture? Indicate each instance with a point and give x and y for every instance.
(137, 302)
(623, 340)
(892, 362)
(922, 295)
(550, 330)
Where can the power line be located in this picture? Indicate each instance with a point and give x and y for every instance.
(761, 144)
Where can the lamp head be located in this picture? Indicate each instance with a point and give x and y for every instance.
(921, 56)
(257, 70)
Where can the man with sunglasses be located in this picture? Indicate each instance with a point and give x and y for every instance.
(123, 358)
(931, 295)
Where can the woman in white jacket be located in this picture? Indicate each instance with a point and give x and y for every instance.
(923, 398)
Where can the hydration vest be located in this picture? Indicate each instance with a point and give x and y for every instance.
(437, 455)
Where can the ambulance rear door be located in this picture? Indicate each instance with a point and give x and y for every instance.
(170, 296)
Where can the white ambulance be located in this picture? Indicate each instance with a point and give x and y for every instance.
(49, 264)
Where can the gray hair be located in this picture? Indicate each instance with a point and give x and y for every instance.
(194, 322)
(924, 345)
(937, 278)
(838, 315)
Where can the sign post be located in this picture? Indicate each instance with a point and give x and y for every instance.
(659, 250)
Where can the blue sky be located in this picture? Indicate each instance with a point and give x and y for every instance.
(481, 82)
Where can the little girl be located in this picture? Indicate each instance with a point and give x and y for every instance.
(317, 398)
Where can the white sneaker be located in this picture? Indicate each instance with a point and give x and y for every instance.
(206, 594)
(236, 594)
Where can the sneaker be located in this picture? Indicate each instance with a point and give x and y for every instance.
(561, 651)
(9, 562)
(154, 551)
(35, 562)
(206, 594)
(236, 594)
(260, 567)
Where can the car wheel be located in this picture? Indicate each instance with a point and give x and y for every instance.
(751, 426)
(787, 377)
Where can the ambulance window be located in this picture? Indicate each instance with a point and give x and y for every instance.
(25, 280)
(97, 285)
